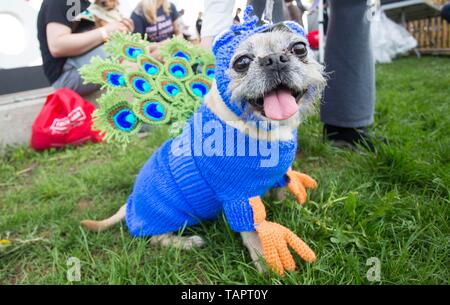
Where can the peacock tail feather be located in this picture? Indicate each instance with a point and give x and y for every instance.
(115, 117)
(107, 73)
(152, 109)
(139, 83)
(140, 89)
(126, 46)
(178, 68)
(179, 48)
(198, 86)
(170, 88)
(150, 65)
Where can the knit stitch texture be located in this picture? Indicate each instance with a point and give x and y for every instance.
(180, 187)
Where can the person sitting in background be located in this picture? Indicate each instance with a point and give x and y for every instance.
(347, 108)
(198, 23)
(295, 10)
(445, 12)
(184, 28)
(236, 19)
(66, 45)
(159, 19)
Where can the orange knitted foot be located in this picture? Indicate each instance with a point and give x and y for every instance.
(275, 239)
(298, 183)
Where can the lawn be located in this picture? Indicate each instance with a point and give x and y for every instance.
(392, 205)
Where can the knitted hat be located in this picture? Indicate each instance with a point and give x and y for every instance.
(227, 42)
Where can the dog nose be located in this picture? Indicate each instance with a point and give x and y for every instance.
(274, 61)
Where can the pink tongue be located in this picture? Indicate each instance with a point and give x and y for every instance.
(280, 105)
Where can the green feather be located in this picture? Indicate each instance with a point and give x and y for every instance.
(150, 65)
(169, 88)
(140, 89)
(139, 83)
(182, 109)
(119, 42)
(115, 107)
(147, 106)
(196, 84)
(178, 47)
(178, 68)
(98, 70)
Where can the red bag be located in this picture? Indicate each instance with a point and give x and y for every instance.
(65, 119)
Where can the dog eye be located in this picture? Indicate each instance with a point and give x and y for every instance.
(299, 49)
(242, 63)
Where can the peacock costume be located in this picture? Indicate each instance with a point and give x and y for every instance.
(178, 186)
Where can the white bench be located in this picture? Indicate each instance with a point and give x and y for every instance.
(17, 114)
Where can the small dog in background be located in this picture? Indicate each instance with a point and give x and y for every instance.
(101, 12)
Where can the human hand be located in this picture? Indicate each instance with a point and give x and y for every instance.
(153, 49)
(125, 25)
(128, 23)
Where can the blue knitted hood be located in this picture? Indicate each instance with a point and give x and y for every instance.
(225, 46)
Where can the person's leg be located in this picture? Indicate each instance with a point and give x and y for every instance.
(260, 5)
(71, 78)
(349, 97)
(445, 12)
(294, 12)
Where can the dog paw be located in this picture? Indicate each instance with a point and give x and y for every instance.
(195, 242)
(253, 244)
(182, 242)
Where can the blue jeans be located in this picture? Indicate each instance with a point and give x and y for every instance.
(71, 78)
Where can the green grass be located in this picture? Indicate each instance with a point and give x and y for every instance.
(393, 205)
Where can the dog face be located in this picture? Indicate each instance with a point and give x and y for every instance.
(271, 74)
(109, 5)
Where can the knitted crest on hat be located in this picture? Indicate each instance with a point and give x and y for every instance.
(225, 46)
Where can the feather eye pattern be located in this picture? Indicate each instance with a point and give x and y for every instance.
(142, 90)
(126, 46)
(152, 109)
(104, 72)
(198, 86)
(150, 65)
(169, 88)
(209, 71)
(115, 117)
(178, 48)
(139, 83)
(178, 68)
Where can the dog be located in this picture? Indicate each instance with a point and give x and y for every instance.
(101, 12)
(266, 82)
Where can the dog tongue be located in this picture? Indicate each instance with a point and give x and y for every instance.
(280, 105)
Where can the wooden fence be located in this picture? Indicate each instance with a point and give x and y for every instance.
(432, 34)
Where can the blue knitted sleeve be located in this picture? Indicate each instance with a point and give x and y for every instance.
(239, 215)
(281, 183)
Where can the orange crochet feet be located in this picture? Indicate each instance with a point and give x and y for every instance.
(298, 183)
(275, 239)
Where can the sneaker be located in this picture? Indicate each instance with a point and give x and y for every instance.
(343, 137)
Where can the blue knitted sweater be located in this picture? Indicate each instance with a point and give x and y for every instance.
(178, 186)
